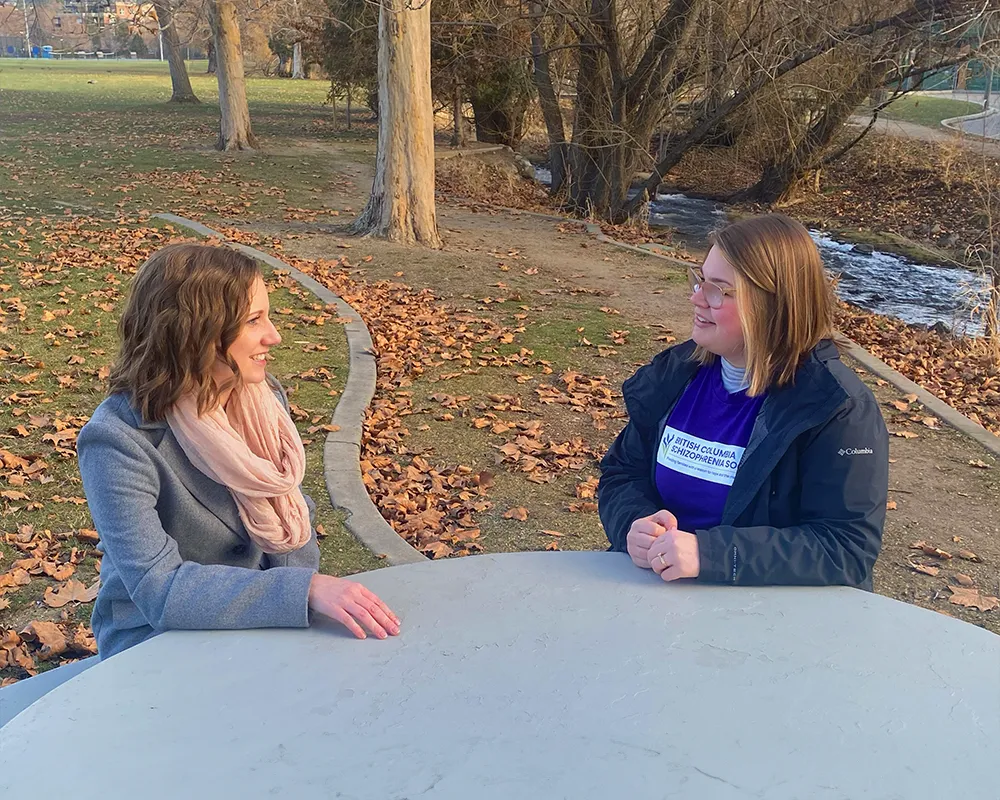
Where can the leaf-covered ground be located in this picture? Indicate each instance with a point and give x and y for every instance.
(500, 357)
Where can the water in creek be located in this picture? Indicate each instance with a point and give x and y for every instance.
(889, 284)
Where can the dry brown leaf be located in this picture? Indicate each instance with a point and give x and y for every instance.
(587, 489)
(519, 513)
(437, 550)
(902, 405)
(964, 580)
(59, 572)
(930, 422)
(930, 549)
(972, 598)
(14, 578)
(890, 505)
(550, 533)
(905, 434)
(77, 501)
(553, 545)
(83, 640)
(968, 555)
(976, 462)
(483, 479)
(48, 636)
(70, 592)
(924, 568)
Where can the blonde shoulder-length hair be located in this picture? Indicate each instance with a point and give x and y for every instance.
(785, 299)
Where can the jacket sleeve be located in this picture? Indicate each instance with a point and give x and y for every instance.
(306, 556)
(122, 487)
(842, 512)
(626, 491)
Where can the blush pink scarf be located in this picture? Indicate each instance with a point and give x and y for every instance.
(253, 449)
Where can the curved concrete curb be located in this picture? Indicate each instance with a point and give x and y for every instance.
(595, 230)
(342, 449)
(954, 124)
(939, 407)
(444, 155)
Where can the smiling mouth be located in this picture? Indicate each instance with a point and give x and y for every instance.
(702, 320)
(260, 358)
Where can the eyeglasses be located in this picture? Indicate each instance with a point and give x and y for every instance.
(715, 295)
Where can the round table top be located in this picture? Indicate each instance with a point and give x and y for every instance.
(537, 675)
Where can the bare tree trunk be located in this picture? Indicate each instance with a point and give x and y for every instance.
(548, 99)
(597, 184)
(993, 308)
(348, 107)
(297, 69)
(780, 177)
(179, 80)
(616, 112)
(234, 129)
(707, 122)
(401, 206)
(212, 64)
(716, 57)
(458, 134)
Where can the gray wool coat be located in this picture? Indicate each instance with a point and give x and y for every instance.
(176, 554)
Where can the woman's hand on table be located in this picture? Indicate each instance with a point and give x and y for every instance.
(644, 531)
(674, 554)
(350, 603)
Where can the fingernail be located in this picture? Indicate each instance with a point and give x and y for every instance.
(382, 635)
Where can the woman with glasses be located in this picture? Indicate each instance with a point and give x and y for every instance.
(753, 454)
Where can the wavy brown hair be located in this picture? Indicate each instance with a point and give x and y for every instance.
(186, 306)
(785, 299)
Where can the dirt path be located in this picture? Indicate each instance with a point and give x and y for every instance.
(940, 496)
(910, 130)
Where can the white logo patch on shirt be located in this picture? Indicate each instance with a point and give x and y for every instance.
(699, 458)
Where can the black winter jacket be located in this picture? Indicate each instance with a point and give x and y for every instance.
(808, 502)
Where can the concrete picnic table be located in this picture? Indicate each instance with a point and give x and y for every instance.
(537, 675)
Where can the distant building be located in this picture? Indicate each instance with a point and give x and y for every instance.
(71, 26)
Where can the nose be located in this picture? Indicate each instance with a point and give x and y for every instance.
(698, 298)
(272, 337)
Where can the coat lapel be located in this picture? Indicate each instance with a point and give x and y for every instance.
(213, 496)
(787, 412)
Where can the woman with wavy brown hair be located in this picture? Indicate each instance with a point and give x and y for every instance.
(752, 454)
(192, 467)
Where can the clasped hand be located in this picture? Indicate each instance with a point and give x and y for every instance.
(655, 543)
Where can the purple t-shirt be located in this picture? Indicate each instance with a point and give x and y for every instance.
(701, 447)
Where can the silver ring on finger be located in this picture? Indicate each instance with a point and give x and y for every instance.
(663, 563)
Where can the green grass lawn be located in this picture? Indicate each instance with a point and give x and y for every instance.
(99, 136)
(929, 111)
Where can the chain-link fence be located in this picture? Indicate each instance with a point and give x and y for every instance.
(970, 77)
